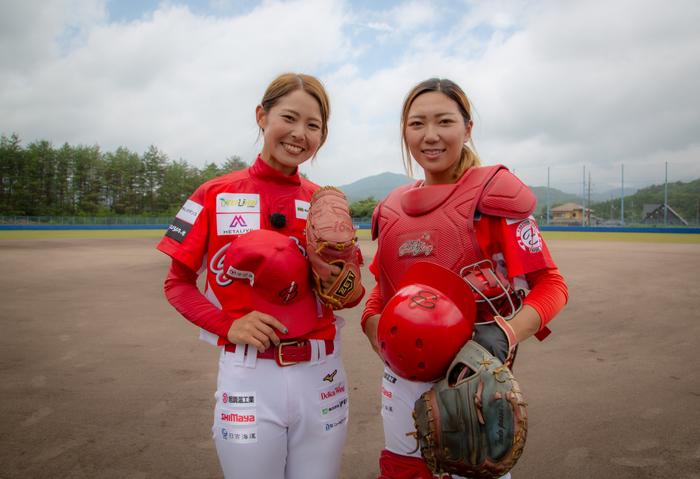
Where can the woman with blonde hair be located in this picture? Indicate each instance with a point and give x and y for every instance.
(462, 214)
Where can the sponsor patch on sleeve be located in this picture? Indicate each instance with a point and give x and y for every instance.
(189, 212)
(178, 230)
(528, 236)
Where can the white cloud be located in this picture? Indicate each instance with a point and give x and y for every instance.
(596, 83)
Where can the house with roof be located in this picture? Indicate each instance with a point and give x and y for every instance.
(569, 214)
(654, 214)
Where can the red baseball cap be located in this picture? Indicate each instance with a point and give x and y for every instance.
(279, 278)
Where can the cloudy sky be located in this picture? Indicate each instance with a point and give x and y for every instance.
(558, 84)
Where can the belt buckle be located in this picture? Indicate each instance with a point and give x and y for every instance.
(278, 356)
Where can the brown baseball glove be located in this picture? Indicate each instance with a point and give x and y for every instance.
(330, 240)
(473, 423)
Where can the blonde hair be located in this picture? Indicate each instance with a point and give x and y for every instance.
(289, 82)
(469, 156)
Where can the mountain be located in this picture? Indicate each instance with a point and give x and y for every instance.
(378, 186)
(683, 197)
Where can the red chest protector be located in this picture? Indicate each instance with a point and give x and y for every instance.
(436, 223)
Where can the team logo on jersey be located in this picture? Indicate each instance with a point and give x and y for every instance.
(421, 243)
(330, 376)
(237, 224)
(216, 266)
(237, 203)
(529, 237)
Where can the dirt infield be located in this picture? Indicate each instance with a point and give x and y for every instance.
(100, 377)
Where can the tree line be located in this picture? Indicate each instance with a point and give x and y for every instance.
(683, 197)
(41, 180)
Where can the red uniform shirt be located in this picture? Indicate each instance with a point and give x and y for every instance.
(226, 207)
(515, 248)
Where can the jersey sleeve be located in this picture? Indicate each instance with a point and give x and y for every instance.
(522, 246)
(187, 237)
(182, 293)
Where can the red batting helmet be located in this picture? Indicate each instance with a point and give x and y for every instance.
(494, 294)
(426, 323)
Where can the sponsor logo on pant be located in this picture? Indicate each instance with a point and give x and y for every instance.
(239, 435)
(335, 424)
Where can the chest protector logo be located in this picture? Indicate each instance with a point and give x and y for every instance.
(422, 243)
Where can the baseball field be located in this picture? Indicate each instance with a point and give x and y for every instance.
(101, 377)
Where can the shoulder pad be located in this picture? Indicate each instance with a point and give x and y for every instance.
(375, 221)
(506, 196)
(375, 215)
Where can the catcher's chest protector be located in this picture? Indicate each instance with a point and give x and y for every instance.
(436, 223)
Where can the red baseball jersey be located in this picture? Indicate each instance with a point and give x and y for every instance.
(226, 207)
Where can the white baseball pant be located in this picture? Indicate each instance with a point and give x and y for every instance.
(281, 422)
(398, 397)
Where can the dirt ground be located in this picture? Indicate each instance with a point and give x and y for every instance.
(100, 377)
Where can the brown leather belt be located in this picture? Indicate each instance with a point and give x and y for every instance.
(287, 353)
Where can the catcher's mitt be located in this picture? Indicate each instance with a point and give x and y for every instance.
(330, 240)
(473, 423)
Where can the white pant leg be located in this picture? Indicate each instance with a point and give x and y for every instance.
(317, 439)
(398, 398)
(281, 423)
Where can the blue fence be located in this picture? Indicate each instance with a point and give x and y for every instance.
(140, 223)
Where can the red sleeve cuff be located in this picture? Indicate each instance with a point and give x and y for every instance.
(548, 294)
(373, 305)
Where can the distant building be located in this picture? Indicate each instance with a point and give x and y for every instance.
(654, 214)
(569, 214)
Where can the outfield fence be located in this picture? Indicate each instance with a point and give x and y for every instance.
(136, 222)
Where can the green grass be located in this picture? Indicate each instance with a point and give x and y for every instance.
(547, 235)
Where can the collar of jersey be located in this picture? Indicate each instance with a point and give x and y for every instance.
(267, 174)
